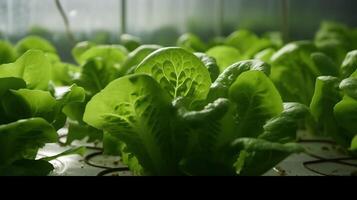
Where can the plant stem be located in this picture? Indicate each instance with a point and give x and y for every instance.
(66, 21)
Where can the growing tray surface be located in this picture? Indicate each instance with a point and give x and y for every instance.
(322, 158)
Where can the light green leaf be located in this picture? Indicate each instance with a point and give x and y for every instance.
(130, 42)
(247, 43)
(179, 72)
(212, 110)
(206, 139)
(242, 40)
(211, 65)
(25, 103)
(7, 53)
(10, 83)
(95, 75)
(137, 111)
(79, 131)
(283, 128)
(354, 75)
(275, 37)
(257, 156)
(253, 144)
(334, 39)
(112, 145)
(34, 42)
(257, 100)
(80, 48)
(6, 84)
(325, 64)
(325, 97)
(21, 139)
(135, 57)
(346, 115)
(131, 161)
(349, 86)
(224, 81)
(349, 64)
(191, 42)
(63, 74)
(265, 55)
(75, 110)
(74, 94)
(293, 72)
(110, 54)
(225, 56)
(73, 103)
(33, 67)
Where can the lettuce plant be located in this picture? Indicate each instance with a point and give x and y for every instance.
(197, 109)
(165, 124)
(30, 114)
(191, 42)
(7, 53)
(99, 65)
(29, 119)
(334, 104)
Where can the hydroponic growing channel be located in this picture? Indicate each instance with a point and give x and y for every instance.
(204, 93)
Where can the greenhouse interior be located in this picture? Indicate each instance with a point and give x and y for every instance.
(178, 88)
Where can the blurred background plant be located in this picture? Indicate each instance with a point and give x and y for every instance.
(162, 21)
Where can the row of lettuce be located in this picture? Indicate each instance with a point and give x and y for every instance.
(232, 106)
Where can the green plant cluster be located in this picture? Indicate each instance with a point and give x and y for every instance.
(232, 106)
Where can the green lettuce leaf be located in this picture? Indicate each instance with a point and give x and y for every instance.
(33, 67)
(25, 103)
(21, 139)
(135, 57)
(110, 54)
(349, 86)
(36, 43)
(10, 83)
(191, 42)
(257, 100)
(224, 55)
(80, 48)
(136, 110)
(258, 156)
(95, 75)
(221, 85)
(325, 98)
(211, 65)
(349, 64)
(283, 128)
(178, 72)
(79, 131)
(130, 42)
(247, 43)
(325, 64)
(7, 53)
(345, 113)
(335, 40)
(294, 72)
